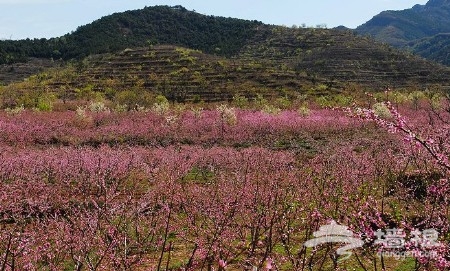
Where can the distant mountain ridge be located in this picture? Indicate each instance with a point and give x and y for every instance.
(438, 3)
(416, 29)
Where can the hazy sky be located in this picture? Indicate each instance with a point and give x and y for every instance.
(52, 18)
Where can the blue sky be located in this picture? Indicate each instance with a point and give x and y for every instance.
(52, 18)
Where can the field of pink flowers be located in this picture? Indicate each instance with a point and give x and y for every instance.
(200, 190)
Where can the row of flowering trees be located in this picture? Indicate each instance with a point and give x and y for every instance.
(224, 125)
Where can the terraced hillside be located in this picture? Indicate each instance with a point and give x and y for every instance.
(278, 61)
(341, 56)
(15, 72)
(182, 74)
(269, 60)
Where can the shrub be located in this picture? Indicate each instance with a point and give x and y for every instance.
(15, 111)
(197, 112)
(82, 119)
(240, 101)
(283, 102)
(324, 102)
(270, 109)
(134, 98)
(98, 107)
(45, 102)
(120, 108)
(260, 101)
(161, 106)
(161, 99)
(382, 111)
(304, 110)
(415, 97)
(341, 100)
(227, 114)
(196, 99)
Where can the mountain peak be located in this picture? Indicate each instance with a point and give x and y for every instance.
(438, 3)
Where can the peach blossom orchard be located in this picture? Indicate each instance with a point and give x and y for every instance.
(220, 189)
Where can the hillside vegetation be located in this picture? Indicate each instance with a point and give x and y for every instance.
(137, 28)
(129, 58)
(342, 56)
(135, 76)
(435, 48)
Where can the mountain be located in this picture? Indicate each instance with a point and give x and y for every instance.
(418, 29)
(401, 27)
(151, 25)
(188, 56)
(435, 48)
(275, 61)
